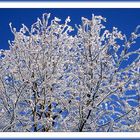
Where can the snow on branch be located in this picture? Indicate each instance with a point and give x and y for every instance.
(54, 79)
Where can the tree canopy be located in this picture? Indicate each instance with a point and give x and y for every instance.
(52, 79)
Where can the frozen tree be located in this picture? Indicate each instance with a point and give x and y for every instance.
(104, 78)
(54, 80)
(31, 76)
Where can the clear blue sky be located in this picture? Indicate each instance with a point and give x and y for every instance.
(125, 19)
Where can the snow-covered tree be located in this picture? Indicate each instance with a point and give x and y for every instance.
(106, 76)
(54, 80)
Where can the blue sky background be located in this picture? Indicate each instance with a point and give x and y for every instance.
(125, 19)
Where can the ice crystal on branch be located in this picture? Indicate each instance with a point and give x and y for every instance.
(51, 80)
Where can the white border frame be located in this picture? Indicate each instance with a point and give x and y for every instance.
(109, 135)
(70, 5)
(73, 135)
